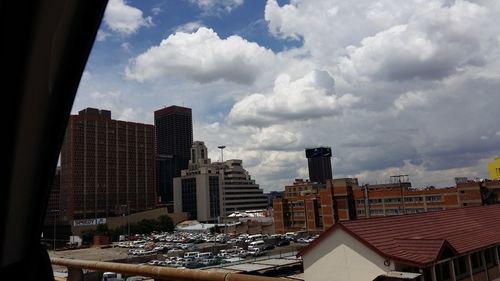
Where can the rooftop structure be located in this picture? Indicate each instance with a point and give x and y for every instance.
(424, 243)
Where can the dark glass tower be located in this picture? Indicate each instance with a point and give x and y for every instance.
(174, 137)
(319, 163)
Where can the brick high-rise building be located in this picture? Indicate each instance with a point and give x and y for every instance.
(174, 137)
(106, 165)
(319, 164)
(313, 207)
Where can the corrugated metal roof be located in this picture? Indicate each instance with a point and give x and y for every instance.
(420, 238)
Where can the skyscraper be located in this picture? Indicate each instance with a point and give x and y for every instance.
(174, 137)
(105, 164)
(319, 164)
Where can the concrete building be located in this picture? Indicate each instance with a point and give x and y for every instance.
(319, 164)
(494, 169)
(208, 190)
(458, 244)
(241, 193)
(106, 164)
(174, 137)
(199, 190)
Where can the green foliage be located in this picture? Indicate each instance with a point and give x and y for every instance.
(166, 223)
(88, 236)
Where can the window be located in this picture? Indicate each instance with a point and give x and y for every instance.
(413, 199)
(443, 271)
(477, 262)
(392, 200)
(460, 265)
(391, 212)
(489, 257)
(377, 212)
(434, 198)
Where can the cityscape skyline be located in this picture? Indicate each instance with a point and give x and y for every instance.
(271, 86)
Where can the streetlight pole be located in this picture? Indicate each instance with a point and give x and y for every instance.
(221, 147)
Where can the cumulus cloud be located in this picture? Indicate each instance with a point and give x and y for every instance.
(125, 19)
(436, 43)
(395, 87)
(309, 97)
(276, 137)
(202, 56)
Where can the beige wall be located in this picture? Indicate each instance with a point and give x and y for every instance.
(341, 257)
(202, 196)
(114, 222)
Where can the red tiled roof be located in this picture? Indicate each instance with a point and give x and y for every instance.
(420, 238)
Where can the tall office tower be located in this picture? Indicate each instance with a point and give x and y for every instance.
(174, 137)
(319, 163)
(107, 165)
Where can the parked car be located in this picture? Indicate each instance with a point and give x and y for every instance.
(267, 247)
(111, 276)
(283, 242)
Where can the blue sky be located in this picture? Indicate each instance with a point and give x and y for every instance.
(394, 88)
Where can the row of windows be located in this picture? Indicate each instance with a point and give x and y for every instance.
(246, 198)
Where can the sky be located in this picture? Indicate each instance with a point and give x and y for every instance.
(394, 87)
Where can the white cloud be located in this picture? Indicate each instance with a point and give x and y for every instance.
(125, 19)
(156, 11)
(202, 56)
(310, 97)
(410, 99)
(102, 35)
(189, 27)
(86, 76)
(276, 137)
(217, 6)
(437, 42)
(395, 87)
(126, 46)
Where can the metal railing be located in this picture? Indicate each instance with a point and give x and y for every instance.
(75, 271)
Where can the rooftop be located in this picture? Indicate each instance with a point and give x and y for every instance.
(421, 238)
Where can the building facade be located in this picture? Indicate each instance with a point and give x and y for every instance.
(494, 169)
(106, 165)
(241, 193)
(208, 191)
(199, 190)
(174, 137)
(307, 206)
(319, 164)
(313, 207)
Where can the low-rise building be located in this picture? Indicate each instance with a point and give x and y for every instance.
(458, 244)
(313, 207)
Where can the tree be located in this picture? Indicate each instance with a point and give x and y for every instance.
(166, 223)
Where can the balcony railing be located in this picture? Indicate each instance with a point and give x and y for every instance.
(75, 271)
